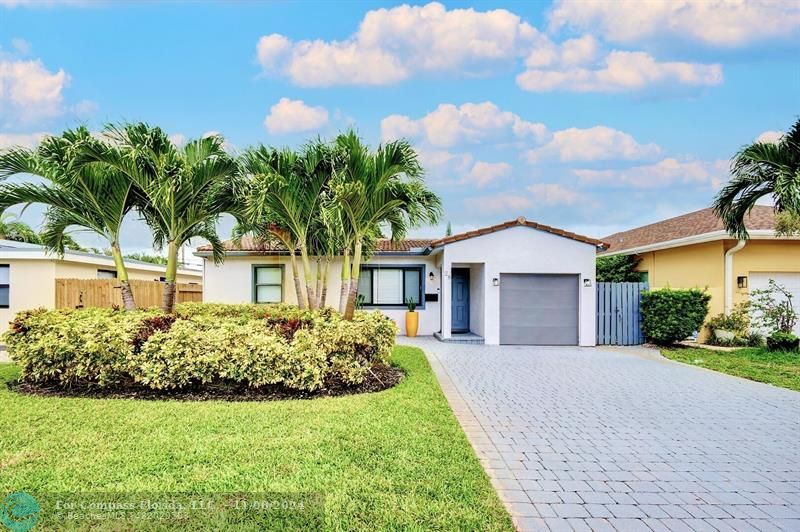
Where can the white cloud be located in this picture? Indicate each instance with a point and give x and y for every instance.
(770, 136)
(25, 140)
(449, 125)
(393, 44)
(84, 108)
(725, 23)
(664, 173)
(499, 203)
(21, 45)
(552, 194)
(46, 3)
(593, 144)
(28, 91)
(178, 139)
(619, 71)
(288, 116)
(483, 173)
(444, 160)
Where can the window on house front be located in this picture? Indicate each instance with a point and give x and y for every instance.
(5, 278)
(644, 277)
(391, 285)
(267, 284)
(106, 274)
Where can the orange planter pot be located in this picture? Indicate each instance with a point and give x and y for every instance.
(412, 323)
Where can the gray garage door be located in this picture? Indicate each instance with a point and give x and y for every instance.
(538, 309)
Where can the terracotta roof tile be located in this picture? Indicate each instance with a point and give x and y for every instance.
(403, 245)
(255, 246)
(687, 225)
(521, 222)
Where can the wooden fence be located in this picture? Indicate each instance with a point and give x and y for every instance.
(79, 293)
(619, 321)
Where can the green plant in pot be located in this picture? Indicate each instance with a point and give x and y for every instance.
(732, 328)
(412, 317)
(772, 310)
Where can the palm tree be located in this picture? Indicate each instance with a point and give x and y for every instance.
(379, 189)
(286, 195)
(76, 193)
(762, 169)
(180, 192)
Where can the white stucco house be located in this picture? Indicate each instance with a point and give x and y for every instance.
(519, 282)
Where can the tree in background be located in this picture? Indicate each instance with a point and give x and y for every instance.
(147, 257)
(618, 269)
(763, 169)
(449, 230)
(76, 191)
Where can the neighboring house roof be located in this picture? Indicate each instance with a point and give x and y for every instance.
(416, 246)
(691, 228)
(10, 249)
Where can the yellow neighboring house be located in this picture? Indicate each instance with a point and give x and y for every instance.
(28, 275)
(694, 251)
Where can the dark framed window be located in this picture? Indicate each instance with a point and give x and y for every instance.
(106, 274)
(267, 283)
(644, 277)
(5, 286)
(391, 286)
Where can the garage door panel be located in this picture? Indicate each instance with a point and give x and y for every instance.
(789, 280)
(538, 309)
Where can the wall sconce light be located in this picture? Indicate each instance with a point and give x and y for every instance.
(495, 281)
(431, 277)
(587, 283)
(741, 281)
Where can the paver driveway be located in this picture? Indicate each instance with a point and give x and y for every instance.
(604, 439)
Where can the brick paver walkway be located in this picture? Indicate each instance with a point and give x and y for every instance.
(601, 439)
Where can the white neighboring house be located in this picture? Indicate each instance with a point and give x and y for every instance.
(28, 274)
(518, 282)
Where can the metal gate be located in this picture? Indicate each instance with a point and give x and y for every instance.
(619, 321)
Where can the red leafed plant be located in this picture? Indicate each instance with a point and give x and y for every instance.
(148, 327)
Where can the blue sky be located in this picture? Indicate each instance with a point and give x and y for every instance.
(590, 116)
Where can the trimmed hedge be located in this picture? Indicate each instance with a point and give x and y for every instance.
(669, 316)
(254, 345)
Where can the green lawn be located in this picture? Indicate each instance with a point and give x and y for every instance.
(758, 364)
(389, 460)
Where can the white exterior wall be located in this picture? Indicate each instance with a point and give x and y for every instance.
(523, 250)
(232, 282)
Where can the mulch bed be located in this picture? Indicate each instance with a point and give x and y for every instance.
(380, 378)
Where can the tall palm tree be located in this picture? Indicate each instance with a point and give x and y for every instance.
(180, 192)
(758, 170)
(379, 189)
(75, 191)
(287, 190)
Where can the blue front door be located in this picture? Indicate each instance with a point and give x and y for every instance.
(459, 317)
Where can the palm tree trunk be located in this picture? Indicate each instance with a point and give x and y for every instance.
(324, 294)
(128, 302)
(349, 310)
(308, 275)
(168, 301)
(301, 296)
(345, 290)
(318, 290)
